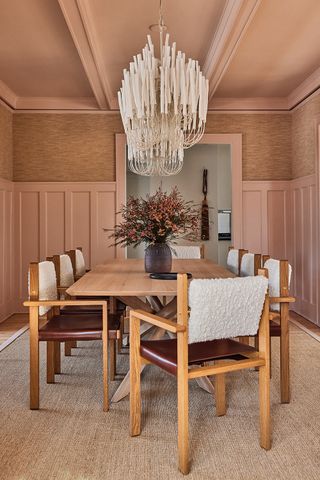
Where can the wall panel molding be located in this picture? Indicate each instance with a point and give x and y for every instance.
(51, 218)
(7, 292)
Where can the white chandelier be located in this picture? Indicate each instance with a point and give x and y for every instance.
(163, 105)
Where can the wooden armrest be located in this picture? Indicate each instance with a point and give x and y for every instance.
(63, 303)
(62, 289)
(282, 299)
(158, 321)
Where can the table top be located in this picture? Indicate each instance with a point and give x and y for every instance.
(126, 277)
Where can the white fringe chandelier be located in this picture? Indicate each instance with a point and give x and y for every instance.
(163, 105)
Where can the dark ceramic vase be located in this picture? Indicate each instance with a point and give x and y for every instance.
(158, 258)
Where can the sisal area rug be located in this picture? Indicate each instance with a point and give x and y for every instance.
(71, 438)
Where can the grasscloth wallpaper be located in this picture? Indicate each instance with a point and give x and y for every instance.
(80, 147)
(304, 142)
(5, 143)
(65, 147)
(266, 140)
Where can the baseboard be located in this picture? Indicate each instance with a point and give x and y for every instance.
(13, 337)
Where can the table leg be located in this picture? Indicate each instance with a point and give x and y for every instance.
(168, 311)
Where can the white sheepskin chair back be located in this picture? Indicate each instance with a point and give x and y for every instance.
(186, 251)
(247, 265)
(273, 267)
(233, 261)
(66, 271)
(80, 263)
(47, 284)
(225, 308)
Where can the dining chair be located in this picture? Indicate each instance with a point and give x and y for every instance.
(188, 251)
(250, 264)
(49, 325)
(219, 310)
(78, 262)
(65, 266)
(234, 259)
(279, 274)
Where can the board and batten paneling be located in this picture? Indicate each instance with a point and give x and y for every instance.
(305, 258)
(266, 218)
(51, 218)
(7, 293)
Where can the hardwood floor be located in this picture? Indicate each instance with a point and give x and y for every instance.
(12, 328)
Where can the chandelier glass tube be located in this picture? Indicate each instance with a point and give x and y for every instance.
(163, 105)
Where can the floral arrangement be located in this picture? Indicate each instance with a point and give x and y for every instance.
(160, 218)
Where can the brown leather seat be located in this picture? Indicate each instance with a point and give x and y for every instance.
(78, 327)
(275, 329)
(163, 353)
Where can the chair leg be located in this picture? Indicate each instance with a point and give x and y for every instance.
(105, 362)
(67, 349)
(264, 400)
(57, 357)
(34, 359)
(113, 358)
(220, 393)
(135, 379)
(50, 362)
(183, 423)
(284, 355)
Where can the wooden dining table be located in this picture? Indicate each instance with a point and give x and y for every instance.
(127, 281)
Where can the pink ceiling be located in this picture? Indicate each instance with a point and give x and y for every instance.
(37, 55)
(71, 53)
(280, 49)
(120, 32)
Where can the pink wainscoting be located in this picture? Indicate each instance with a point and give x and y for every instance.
(53, 217)
(266, 217)
(305, 257)
(7, 292)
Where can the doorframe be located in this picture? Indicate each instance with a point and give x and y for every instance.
(232, 139)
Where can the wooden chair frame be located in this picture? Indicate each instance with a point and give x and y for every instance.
(241, 251)
(284, 300)
(34, 303)
(259, 359)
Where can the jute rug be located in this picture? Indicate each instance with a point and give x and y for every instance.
(71, 438)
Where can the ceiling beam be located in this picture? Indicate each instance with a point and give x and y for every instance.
(7, 95)
(74, 22)
(234, 21)
(88, 23)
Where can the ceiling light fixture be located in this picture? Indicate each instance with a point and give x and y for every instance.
(163, 105)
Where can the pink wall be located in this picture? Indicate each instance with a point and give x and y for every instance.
(53, 217)
(7, 293)
(304, 246)
(279, 219)
(41, 219)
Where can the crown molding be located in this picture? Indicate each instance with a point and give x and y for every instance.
(305, 89)
(259, 103)
(233, 23)
(7, 95)
(76, 28)
(56, 103)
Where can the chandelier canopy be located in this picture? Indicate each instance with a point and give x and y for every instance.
(163, 105)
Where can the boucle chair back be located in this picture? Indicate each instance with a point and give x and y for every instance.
(64, 270)
(80, 263)
(233, 261)
(42, 283)
(279, 273)
(187, 251)
(225, 308)
(250, 264)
